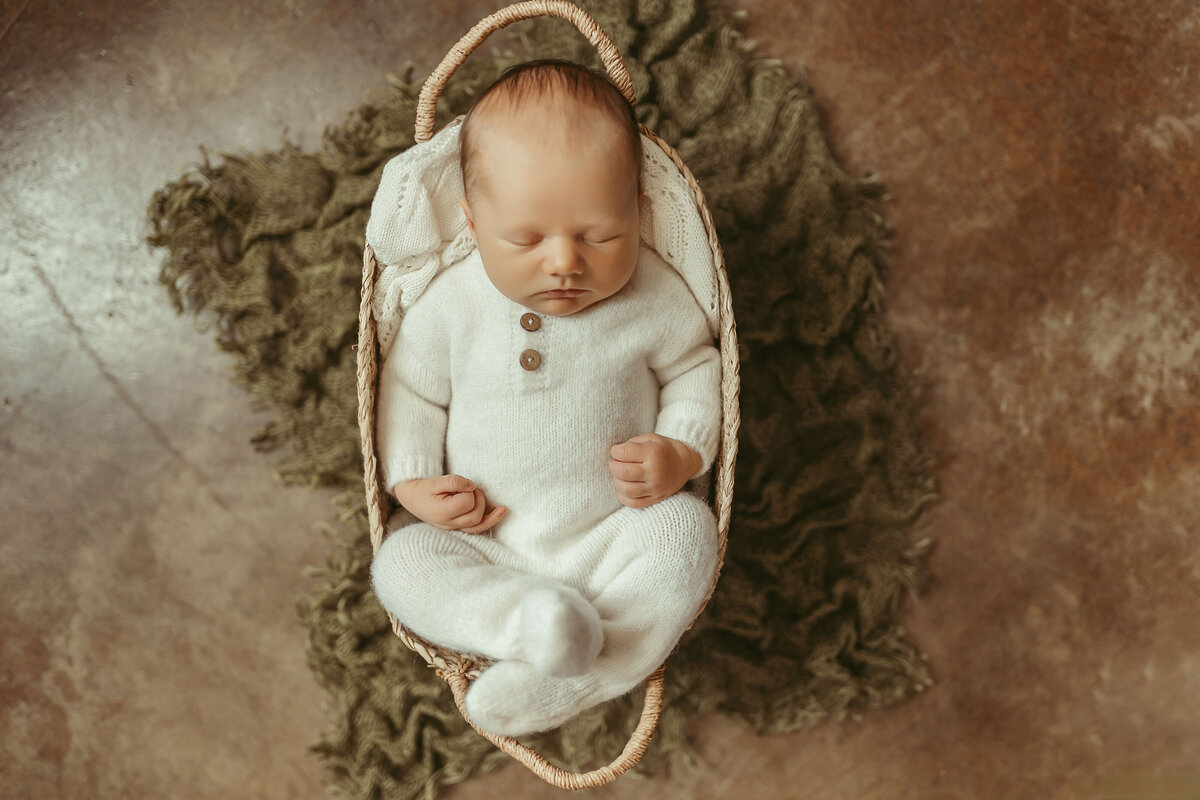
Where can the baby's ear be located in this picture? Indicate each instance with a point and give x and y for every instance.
(467, 211)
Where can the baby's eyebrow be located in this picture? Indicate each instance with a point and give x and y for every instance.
(601, 225)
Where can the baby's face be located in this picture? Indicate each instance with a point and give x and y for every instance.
(557, 229)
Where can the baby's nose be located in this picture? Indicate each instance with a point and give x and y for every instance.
(563, 258)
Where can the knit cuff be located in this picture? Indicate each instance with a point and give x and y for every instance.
(409, 467)
(695, 434)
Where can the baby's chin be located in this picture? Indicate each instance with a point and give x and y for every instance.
(552, 305)
(560, 306)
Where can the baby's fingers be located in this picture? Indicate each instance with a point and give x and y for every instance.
(472, 513)
(626, 471)
(634, 495)
(631, 451)
(457, 505)
(452, 484)
(490, 521)
(637, 502)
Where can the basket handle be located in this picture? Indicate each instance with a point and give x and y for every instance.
(557, 776)
(436, 82)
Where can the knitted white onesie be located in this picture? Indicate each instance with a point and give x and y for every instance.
(455, 397)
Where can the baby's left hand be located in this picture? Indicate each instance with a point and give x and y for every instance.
(650, 467)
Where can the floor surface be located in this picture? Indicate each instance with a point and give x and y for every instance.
(1042, 158)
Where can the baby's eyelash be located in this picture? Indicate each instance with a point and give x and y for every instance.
(531, 242)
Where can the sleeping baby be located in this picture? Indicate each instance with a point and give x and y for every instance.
(546, 400)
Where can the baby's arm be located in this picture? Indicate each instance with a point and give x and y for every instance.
(653, 466)
(412, 408)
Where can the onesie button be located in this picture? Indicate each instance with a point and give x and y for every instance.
(531, 360)
(531, 322)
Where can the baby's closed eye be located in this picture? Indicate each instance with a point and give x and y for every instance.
(533, 240)
(602, 239)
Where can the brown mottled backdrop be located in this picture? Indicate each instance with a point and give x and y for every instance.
(1045, 283)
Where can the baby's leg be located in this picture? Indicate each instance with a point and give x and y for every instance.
(650, 582)
(470, 593)
(648, 570)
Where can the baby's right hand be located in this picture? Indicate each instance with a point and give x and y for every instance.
(450, 502)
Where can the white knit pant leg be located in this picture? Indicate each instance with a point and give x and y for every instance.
(456, 590)
(648, 585)
(647, 571)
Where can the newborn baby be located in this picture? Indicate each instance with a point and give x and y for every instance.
(556, 388)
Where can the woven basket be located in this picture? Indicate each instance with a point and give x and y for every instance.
(458, 669)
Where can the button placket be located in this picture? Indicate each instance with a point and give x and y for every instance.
(531, 358)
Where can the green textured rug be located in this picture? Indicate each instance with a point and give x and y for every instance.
(804, 623)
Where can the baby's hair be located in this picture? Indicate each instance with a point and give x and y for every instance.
(550, 77)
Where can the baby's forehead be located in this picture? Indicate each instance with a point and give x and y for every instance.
(547, 119)
(542, 125)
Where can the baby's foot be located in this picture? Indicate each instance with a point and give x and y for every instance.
(560, 631)
(511, 699)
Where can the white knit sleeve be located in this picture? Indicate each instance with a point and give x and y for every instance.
(688, 368)
(412, 398)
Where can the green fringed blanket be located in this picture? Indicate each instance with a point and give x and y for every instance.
(804, 623)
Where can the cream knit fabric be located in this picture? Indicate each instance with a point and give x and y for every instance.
(537, 440)
(640, 576)
(454, 398)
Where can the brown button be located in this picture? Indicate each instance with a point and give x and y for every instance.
(531, 322)
(531, 359)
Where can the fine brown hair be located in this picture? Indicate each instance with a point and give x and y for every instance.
(551, 77)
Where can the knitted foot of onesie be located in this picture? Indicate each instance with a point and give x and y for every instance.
(561, 637)
(560, 632)
(511, 698)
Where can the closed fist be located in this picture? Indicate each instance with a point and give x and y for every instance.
(450, 502)
(650, 467)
